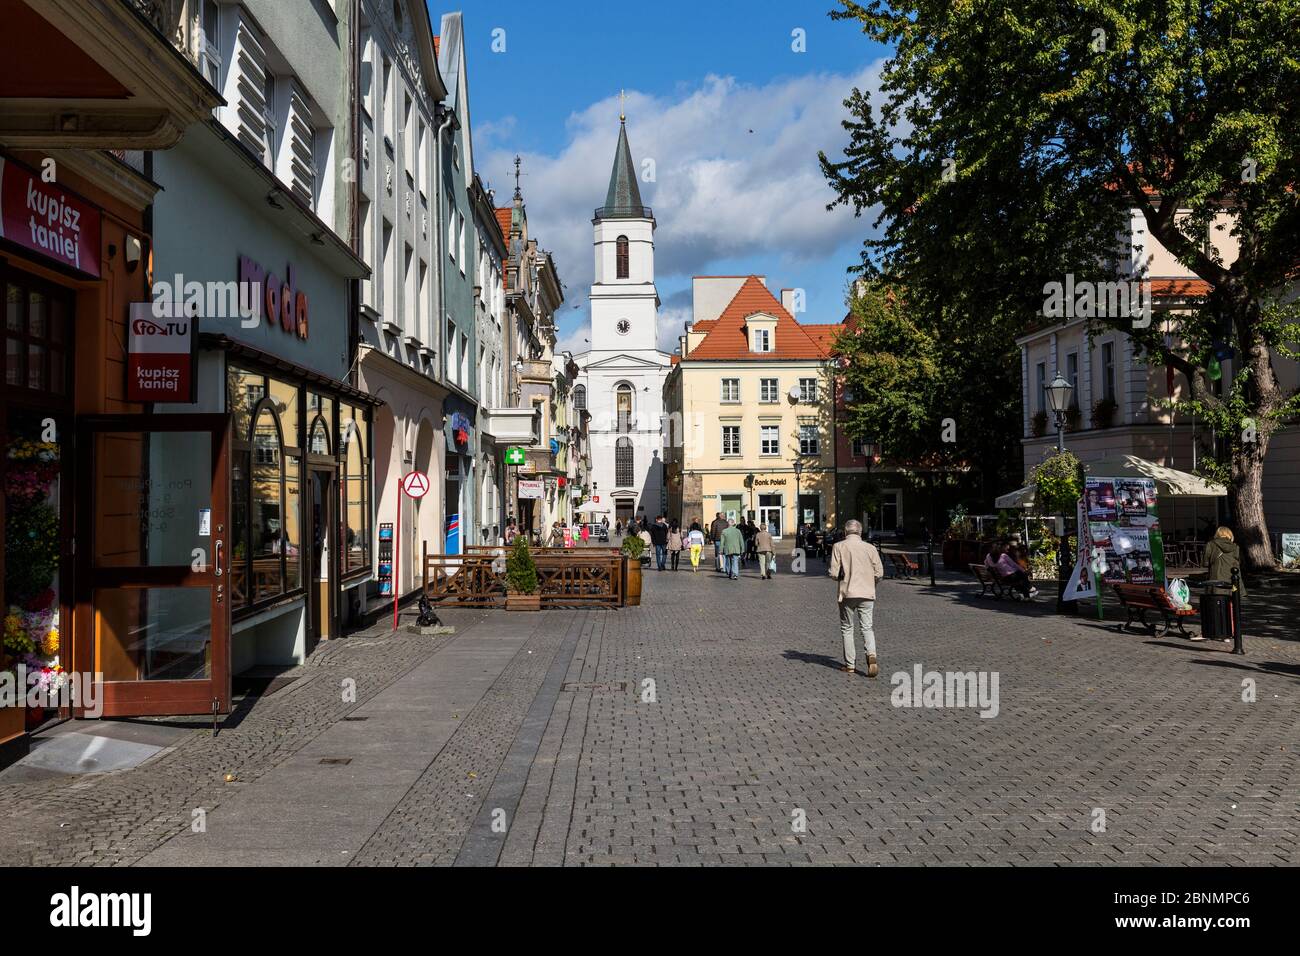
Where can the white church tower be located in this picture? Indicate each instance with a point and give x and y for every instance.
(623, 374)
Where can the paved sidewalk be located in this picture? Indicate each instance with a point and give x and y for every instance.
(712, 726)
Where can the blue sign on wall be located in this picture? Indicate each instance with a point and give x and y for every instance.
(453, 534)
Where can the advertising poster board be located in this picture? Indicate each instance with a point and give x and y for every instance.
(1123, 520)
(1291, 550)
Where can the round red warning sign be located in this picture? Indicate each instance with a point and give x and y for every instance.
(415, 484)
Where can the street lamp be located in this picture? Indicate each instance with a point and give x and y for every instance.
(798, 518)
(1058, 400)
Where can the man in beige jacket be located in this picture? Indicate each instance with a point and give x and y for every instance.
(856, 565)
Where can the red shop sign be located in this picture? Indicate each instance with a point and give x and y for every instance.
(47, 219)
(159, 357)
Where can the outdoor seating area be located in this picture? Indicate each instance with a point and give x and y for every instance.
(1139, 599)
(995, 585)
(566, 577)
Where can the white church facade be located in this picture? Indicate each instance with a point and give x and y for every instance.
(622, 376)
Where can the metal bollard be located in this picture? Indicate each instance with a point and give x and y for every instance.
(1235, 606)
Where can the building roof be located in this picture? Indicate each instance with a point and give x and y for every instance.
(1179, 288)
(824, 335)
(726, 339)
(623, 198)
(503, 221)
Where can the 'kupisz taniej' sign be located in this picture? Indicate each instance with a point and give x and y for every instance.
(47, 219)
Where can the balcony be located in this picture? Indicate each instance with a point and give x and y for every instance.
(118, 83)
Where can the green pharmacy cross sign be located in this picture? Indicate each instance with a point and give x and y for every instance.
(514, 455)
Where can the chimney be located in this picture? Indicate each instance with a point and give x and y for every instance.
(787, 300)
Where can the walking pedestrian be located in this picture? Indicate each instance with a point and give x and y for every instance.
(675, 544)
(733, 546)
(557, 535)
(659, 535)
(766, 549)
(695, 540)
(511, 532)
(747, 531)
(718, 526)
(585, 533)
(856, 565)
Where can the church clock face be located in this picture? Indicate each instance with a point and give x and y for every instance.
(623, 326)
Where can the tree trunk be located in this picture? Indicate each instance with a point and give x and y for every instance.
(1246, 496)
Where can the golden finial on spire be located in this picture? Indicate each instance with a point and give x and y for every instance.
(622, 117)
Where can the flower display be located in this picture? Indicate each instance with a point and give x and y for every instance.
(31, 469)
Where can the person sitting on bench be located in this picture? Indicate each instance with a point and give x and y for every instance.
(1011, 573)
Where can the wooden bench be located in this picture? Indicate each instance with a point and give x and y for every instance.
(993, 584)
(1137, 599)
(903, 566)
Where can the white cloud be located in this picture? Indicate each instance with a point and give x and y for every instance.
(736, 176)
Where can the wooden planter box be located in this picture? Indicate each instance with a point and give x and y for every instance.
(632, 591)
(523, 602)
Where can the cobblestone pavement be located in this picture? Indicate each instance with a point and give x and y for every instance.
(712, 726)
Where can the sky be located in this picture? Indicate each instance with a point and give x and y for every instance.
(717, 97)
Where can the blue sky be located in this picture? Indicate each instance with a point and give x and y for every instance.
(731, 116)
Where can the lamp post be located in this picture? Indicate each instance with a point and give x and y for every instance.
(1058, 400)
(798, 518)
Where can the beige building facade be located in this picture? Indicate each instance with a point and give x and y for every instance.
(749, 416)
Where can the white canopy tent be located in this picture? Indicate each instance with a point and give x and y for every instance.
(591, 507)
(1170, 482)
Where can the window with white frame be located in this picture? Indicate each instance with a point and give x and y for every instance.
(731, 439)
(809, 443)
(731, 390)
(807, 390)
(770, 439)
(768, 390)
(451, 230)
(762, 340)
(210, 59)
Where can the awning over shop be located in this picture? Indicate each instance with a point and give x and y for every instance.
(1170, 482)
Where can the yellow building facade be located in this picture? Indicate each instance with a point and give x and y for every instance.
(749, 414)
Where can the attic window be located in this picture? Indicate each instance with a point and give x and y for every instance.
(762, 340)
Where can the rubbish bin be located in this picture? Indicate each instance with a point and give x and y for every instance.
(1216, 617)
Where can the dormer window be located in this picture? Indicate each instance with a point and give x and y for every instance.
(762, 332)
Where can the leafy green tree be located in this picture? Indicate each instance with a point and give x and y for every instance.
(924, 395)
(1015, 138)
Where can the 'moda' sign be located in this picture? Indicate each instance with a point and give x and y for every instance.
(280, 301)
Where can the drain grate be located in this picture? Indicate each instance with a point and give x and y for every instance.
(355, 717)
(336, 760)
(596, 687)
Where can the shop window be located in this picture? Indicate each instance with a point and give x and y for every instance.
(36, 336)
(32, 537)
(266, 475)
(355, 485)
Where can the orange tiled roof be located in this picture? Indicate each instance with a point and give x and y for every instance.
(673, 360)
(704, 325)
(824, 334)
(435, 46)
(1179, 288)
(726, 338)
(503, 222)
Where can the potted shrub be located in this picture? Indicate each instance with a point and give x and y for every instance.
(521, 579)
(1103, 413)
(632, 548)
